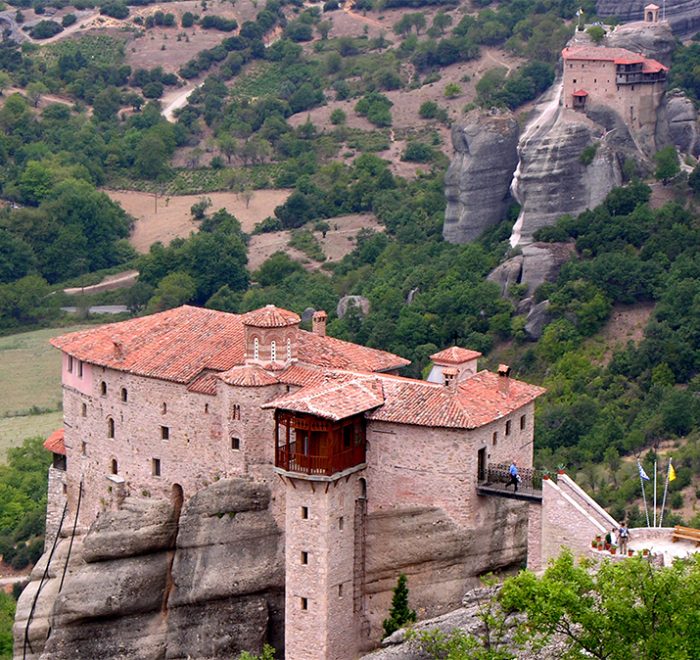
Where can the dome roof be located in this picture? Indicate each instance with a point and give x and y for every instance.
(270, 317)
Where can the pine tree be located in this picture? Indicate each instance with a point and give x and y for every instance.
(399, 614)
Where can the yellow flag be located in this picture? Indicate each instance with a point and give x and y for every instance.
(671, 472)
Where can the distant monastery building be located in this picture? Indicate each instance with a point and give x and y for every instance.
(630, 83)
(166, 404)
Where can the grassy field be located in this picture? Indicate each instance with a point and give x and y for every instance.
(30, 381)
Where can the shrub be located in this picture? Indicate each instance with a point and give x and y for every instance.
(187, 19)
(417, 152)
(213, 22)
(114, 9)
(588, 154)
(338, 116)
(68, 20)
(428, 110)
(452, 90)
(45, 29)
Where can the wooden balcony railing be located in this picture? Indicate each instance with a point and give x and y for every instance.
(288, 458)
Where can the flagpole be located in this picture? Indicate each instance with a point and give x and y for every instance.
(663, 503)
(644, 495)
(654, 492)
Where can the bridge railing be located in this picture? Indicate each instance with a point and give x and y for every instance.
(530, 478)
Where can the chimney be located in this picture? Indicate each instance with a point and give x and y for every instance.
(503, 378)
(118, 349)
(449, 377)
(318, 323)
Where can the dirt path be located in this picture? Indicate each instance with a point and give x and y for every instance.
(347, 8)
(178, 99)
(490, 56)
(109, 283)
(80, 24)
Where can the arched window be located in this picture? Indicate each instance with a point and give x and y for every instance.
(115, 466)
(289, 348)
(83, 410)
(103, 388)
(256, 349)
(125, 394)
(273, 351)
(164, 408)
(110, 427)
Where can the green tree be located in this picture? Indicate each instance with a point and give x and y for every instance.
(400, 613)
(623, 610)
(151, 160)
(35, 90)
(596, 33)
(172, 291)
(667, 165)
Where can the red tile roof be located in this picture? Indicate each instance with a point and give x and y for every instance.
(477, 401)
(54, 443)
(337, 398)
(205, 383)
(270, 317)
(454, 355)
(616, 55)
(248, 376)
(179, 344)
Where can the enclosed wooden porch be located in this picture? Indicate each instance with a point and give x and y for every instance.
(316, 446)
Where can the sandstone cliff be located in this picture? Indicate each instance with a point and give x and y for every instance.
(151, 581)
(682, 15)
(478, 179)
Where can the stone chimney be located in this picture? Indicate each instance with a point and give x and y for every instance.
(503, 378)
(118, 349)
(449, 377)
(318, 323)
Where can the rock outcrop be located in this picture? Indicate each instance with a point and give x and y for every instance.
(682, 122)
(682, 15)
(652, 39)
(346, 303)
(478, 179)
(553, 181)
(149, 581)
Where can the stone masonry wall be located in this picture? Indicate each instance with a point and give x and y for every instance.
(565, 523)
(319, 621)
(55, 503)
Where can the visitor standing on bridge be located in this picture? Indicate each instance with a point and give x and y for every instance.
(514, 477)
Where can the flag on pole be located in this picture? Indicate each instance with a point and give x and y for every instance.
(671, 472)
(642, 474)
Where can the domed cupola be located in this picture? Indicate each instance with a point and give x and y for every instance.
(270, 337)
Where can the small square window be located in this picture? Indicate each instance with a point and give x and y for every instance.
(304, 603)
(341, 523)
(305, 513)
(235, 443)
(206, 408)
(165, 432)
(304, 557)
(155, 467)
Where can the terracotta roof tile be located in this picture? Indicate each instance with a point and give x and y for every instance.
(480, 400)
(270, 317)
(248, 376)
(179, 344)
(616, 55)
(337, 398)
(454, 355)
(205, 383)
(54, 443)
(300, 375)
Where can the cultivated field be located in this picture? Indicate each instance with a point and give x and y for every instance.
(172, 218)
(339, 241)
(31, 379)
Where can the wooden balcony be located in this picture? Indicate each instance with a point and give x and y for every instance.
(291, 460)
(310, 445)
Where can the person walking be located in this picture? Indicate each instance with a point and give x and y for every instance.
(514, 477)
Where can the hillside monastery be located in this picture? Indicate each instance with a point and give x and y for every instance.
(168, 403)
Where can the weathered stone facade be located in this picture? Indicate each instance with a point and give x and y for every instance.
(408, 504)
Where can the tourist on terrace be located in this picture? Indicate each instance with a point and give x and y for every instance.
(514, 477)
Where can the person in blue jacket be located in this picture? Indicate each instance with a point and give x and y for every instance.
(514, 477)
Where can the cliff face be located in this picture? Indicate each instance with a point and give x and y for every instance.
(478, 179)
(552, 180)
(682, 15)
(151, 581)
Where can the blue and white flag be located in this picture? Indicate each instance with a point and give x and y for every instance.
(642, 474)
